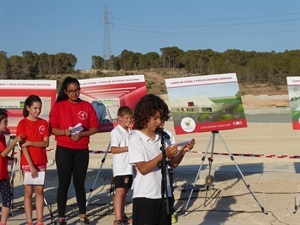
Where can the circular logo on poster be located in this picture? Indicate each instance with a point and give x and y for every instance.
(188, 124)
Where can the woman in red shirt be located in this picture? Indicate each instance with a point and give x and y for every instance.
(72, 151)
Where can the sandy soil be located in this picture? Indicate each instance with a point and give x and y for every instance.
(265, 101)
(261, 185)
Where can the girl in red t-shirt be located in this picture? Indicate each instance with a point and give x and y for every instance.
(5, 188)
(35, 135)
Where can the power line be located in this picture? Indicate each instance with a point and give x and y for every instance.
(74, 44)
(208, 20)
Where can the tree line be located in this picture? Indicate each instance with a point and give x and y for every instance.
(30, 65)
(250, 66)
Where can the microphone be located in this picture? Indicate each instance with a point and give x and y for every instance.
(160, 131)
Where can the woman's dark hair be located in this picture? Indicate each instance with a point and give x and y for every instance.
(61, 94)
(147, 107)
(3, 114)
(29, 102)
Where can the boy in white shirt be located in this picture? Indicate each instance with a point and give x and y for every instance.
(122, 170)
(145, 153)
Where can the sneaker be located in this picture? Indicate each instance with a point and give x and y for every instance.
(119, 222)
(126, 220)
(62, 222)
(84, 221)
(173, 219)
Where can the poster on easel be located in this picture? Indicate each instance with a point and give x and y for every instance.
(294, 97)
(107, 94)
(13, 94)
(205, 103)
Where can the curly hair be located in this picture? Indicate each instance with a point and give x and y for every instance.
(146, 108)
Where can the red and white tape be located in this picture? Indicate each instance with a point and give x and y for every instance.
(253, 155)
(97, 152)
(215, 153)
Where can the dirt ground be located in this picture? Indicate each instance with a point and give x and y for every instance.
(259, 184)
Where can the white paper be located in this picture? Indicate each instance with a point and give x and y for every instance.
(182, 143)
(78, 128)
(40, 180)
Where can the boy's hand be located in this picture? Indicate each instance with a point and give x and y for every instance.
(171, 151)
(189, 146)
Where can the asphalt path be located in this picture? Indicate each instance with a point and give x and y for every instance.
(269, 118)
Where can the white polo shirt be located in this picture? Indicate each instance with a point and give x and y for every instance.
(119, 138)
(143, 149)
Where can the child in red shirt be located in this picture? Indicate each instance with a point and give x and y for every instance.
(35, 134)
(5, 187)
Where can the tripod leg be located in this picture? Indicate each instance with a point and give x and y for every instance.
(297, 205)
(209, 178)
(50, 211)
(244, 179)
(93, 186)
(212, 137)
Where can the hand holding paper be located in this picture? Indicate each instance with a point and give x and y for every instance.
(182, 143)
(75, 130)
(39, 180)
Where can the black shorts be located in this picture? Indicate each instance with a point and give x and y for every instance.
(124, 181)
(149, 212)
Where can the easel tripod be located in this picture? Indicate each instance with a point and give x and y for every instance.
(212, 143)
(93, 186)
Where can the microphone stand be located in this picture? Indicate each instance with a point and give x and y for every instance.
(164, 185)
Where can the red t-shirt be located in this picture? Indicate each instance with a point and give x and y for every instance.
(34, 131)
(65, 114)
(3, 160)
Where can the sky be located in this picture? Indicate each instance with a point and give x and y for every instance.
(79, 27)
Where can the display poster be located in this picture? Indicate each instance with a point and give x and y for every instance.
(13, 94)
(107, 94)
(205, 103)
(294, 97)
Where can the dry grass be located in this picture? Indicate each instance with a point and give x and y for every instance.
(155, 80)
